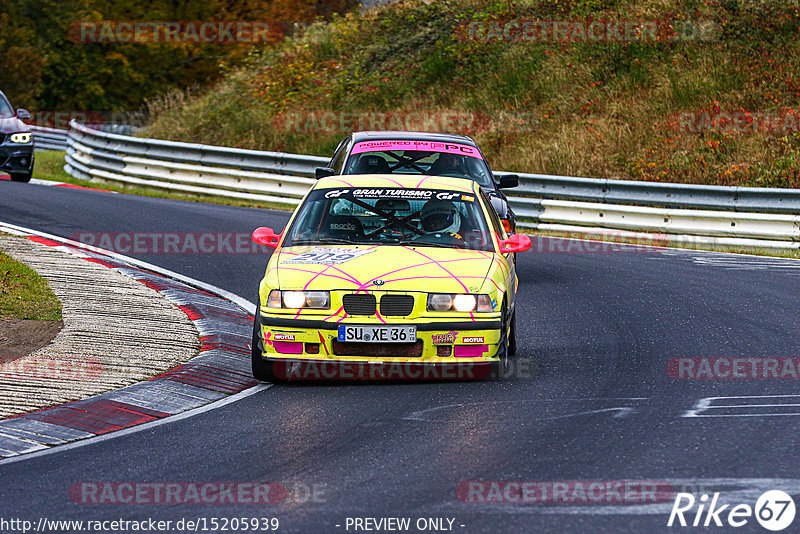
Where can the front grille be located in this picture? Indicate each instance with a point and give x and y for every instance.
(396, 305)
(359, 304)
(378, 350)
(2, 137)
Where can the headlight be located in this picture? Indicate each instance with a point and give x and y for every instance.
(442, 302)
(319, 300)
(20, 138)
(438, 302)
(464, 303)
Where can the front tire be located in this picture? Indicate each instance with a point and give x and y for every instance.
(17, 177)
(505, 349)
(512, 335)
(262, 369)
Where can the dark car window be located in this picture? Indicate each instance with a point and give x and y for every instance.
(494, 218)
(436, 161)
(337, 161)
(421, 217)
(5, 108)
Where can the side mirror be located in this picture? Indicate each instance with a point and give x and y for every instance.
(322, 172)
(23, 114)
(515, 243)
(508, 181)
(266, 236)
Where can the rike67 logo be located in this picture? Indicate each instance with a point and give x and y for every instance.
(774, 510)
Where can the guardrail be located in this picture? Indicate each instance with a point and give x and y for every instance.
(702, 214)
(49, 138)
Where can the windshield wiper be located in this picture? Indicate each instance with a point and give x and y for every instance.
(324, 241)
(426, 244)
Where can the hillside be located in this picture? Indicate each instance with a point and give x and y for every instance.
(696, 91)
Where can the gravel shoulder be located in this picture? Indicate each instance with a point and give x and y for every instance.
(116, 332)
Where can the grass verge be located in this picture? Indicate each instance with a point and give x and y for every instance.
(712, 100)
(50, 166)
(24, 294)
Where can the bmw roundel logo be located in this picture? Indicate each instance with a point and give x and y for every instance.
(378, 282)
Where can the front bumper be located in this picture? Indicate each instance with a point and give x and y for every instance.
(302, 348)
(300, 369)
(16, 158)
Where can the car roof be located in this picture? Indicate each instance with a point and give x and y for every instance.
(412, 136)
(395, 181)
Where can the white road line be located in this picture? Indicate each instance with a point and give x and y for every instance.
(422, 415)
(247, 305)
(236, 299)
(138, 428)
(706, 404)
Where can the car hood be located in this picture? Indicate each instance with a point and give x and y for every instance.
(400, 268)
(12, 125)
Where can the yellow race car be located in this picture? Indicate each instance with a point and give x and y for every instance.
(387, 277)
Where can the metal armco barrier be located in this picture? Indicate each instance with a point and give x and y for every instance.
(739, 216)
(49, 138)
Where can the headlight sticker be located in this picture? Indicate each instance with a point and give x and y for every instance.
(20, 138)
(327, 256)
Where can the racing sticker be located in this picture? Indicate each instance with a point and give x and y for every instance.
(445, 339)
(328, 256)
(409, 194)
(432, 146)
(473, 339)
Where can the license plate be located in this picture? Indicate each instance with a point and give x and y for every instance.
(377, 334)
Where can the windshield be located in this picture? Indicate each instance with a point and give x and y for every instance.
(419, 157)
(419, 217)
(5, 108)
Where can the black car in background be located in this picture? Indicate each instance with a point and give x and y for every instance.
(423, 153)
(16, 142)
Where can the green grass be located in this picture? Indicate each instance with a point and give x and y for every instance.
(50, 166)
(596, 109)
(24, 294)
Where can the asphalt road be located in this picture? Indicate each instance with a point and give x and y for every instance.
(591, 399)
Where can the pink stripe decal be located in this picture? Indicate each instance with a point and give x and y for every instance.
(336, 313)
(428, 278)
(469, 351)
(315, 277)
(421, 265)
(348, 184)
(288, 347)
(457, 279)
(432, 146)
(328, 275)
